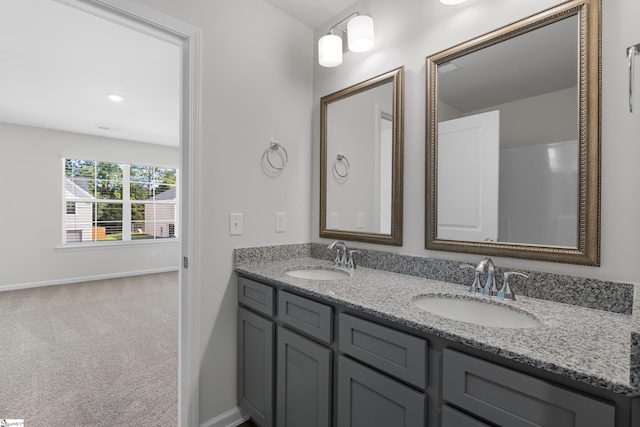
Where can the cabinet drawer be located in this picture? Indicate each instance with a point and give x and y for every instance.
(453, 418)
(402, 355)
(309, 317)
(256, 295)
(366, 398)
(509, 398)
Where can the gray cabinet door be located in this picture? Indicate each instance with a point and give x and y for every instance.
(366, 398)
(510, 398)
(255, 366)
(303, 382)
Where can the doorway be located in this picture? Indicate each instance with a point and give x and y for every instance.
(147, 21)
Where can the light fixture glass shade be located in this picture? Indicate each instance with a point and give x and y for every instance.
(360, 33)
(330, 50)
(450, 2)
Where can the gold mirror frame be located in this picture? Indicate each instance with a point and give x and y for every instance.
(587, 251)
(396, 77)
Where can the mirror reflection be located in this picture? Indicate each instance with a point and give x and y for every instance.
(513, 140)
(508, 140)
(361, 149)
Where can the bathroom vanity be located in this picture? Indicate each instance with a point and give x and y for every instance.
(356, 351)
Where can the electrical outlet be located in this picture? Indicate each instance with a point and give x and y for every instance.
(360, 220)
(235, 224)
(334, 220)
(281, 222)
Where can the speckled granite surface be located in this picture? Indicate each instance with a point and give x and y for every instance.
(590, 293)
(587, 345)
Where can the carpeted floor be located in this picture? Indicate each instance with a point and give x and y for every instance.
(101, 353)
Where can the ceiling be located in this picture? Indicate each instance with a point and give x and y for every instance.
(59, 64)
(534, 63)
(312, 13)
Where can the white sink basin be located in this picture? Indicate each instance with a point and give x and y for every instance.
(319, 273)
(476, 311)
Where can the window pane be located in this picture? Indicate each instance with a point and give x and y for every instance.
(109, 171)
(78, 226)
(166, 176)
(166, 192)
(141, 191)
(79, 188)
(107, 212)
(141, 173)
(139, 230)
(71, 208)
(79, 168)
(107, 231)
(111, 190)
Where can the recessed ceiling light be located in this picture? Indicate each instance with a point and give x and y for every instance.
(115, 97)
(450, 2)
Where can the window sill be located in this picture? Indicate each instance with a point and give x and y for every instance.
(114, 245)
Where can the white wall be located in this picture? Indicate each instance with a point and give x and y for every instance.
(31, 177)
(352, 133)
(407, 31)
(256, 87)
(534, 202)
(556, 109)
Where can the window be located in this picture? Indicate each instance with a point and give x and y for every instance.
(118, 202)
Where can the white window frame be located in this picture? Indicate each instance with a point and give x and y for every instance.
(126, 203)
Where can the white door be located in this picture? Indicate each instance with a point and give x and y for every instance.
(468, 171)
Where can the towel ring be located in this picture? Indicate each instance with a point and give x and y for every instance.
(341, 158)
(276, 147)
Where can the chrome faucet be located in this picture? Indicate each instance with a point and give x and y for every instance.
(486, 266)
(344, 256)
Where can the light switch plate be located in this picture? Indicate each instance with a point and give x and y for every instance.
(360, 220)
(235, 224)
(281, 222)
(334, 220)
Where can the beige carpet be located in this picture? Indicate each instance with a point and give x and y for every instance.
(101, 353)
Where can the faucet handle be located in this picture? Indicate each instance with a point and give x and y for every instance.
(475, 286)
(351, 263)
(506, 291)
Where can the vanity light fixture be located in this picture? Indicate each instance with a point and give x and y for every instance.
(452, 2)
(115, 97)
(360, 38)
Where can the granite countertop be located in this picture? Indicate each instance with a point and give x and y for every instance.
(587, 345)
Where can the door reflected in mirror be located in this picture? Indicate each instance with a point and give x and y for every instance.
(361, 161)
(513, 139)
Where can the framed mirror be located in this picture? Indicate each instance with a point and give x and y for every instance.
(513, 140)
(361, 157)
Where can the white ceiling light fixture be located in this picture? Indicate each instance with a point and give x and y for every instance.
(115, 97)
(452, 2)
(330, 50)
(360, 38)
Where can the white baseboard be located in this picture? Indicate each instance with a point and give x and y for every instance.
(231, 418)
(85, 279)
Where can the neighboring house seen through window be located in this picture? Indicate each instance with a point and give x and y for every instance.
(118, 202)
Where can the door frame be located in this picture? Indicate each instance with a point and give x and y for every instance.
(157, 24)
